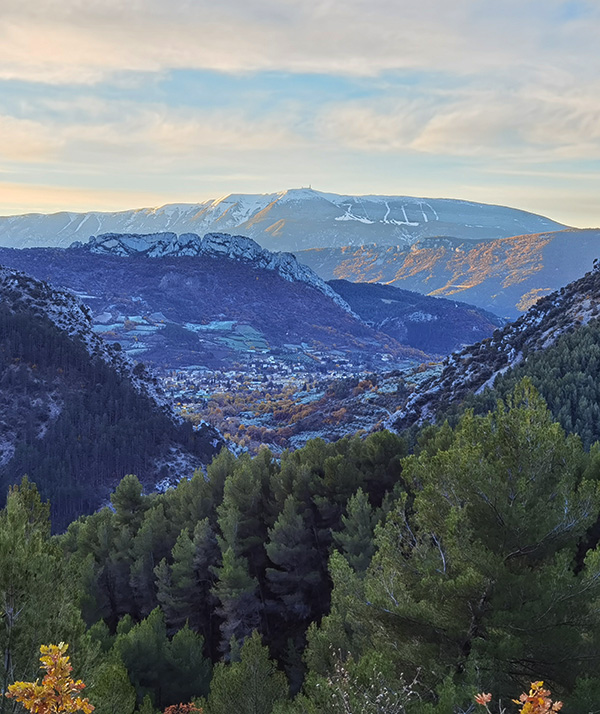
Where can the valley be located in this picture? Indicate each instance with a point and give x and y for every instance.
(284, 410)
(236, 448)
(238, 333)
(299, 357)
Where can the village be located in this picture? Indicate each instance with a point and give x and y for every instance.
(283, 405)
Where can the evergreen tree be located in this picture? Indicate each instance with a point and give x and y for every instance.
(129, 503)
(241, 514)
(345, 630)
(477, 578)
(142, 650)
(188, 673)
(111, 692)
(239, 605)
(38, 601)
(146, 706)
(296, 577)
(184, 588)
(150, 545)
(251, 686)
(356, 537)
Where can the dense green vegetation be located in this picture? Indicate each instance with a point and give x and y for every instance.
(567, 375)
(77, 424)
(374, 580)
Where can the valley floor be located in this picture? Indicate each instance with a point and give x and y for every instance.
(285, 410)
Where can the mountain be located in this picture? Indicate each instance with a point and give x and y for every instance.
(505, 276)
(547, 326)
(75, 413)
(434, 325)
(289, 221)
(213, 302)
(212, 245)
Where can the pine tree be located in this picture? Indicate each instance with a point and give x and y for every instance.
(187, 671)
(251, 686)
(241, 514)
(150, 545)
(296, 578)
(38, 602)
(129, 503)
(239, 604)
(142, 650)
(477, 577)
(356, 537)
(111, 692)
(184, 588)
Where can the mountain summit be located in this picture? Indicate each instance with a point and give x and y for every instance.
(289, 220)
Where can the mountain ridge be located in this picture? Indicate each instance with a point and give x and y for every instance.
(288, 220)
(210, 310)
(505, 276)
(239, 248)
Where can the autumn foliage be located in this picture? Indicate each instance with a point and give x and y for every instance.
(58, 691)
(183, 709)
(538, 700)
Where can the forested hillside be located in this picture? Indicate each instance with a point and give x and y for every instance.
(75, 415)
(478, 366)
(567, 375)
(369, 575)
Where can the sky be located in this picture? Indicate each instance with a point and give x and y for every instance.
(117, 104)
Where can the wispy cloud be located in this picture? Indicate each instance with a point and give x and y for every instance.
(141, 133)
(529, 122)
(73, 41)
(26, 140)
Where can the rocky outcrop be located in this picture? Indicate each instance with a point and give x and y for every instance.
(240, 248)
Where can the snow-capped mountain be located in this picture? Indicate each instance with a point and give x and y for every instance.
(289, 220)
(212, 245)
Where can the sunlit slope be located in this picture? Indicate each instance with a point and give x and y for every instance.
(505, 276)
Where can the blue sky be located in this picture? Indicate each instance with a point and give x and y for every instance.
(114, 104)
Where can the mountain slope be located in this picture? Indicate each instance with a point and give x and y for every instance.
(289, 220)
(228, 302)
(75, 414)
(478, 366)
(505, 276)
(434, 325)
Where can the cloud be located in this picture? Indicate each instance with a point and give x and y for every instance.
(87, 130)
(530, 122)
(467, 84)
(16, 198)
(25, 140)
(76, 41)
